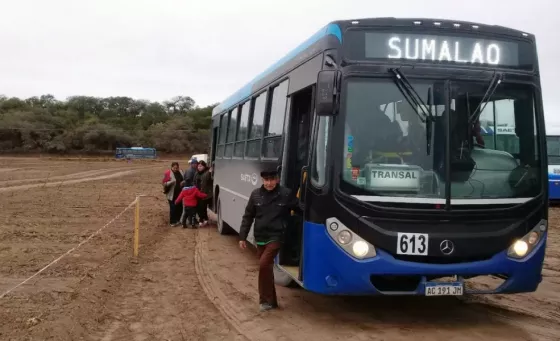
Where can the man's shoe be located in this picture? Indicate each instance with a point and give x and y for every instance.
(266, 307)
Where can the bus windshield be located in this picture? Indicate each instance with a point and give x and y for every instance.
(385, 156)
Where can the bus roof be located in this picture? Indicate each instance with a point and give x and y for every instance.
(245, 92)
(336, 28)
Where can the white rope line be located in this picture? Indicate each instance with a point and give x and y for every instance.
(71, 250)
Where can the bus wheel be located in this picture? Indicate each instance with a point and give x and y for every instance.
(281, 278)
(223, 227)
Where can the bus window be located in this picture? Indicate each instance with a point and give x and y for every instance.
(277, 110)
(497, 126)
(511, 113)
(487, 126)
(242, 131)
(506, 139)
(273, 140)
(256, 129)
(222, 136)
(232, 130)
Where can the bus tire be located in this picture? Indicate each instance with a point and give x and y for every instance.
(223, 227)
(281, 278)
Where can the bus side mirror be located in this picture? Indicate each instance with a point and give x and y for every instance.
(328, 83)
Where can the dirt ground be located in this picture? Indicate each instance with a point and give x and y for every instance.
(195, 284)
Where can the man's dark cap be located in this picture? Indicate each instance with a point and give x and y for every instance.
(268, 173)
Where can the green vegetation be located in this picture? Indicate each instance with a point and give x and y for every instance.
(97, 125)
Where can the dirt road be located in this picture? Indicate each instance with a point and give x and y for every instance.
(195, 284)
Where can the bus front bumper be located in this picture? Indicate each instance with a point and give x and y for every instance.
(328, 269)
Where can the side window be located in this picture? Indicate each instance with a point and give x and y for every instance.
(496, 126)
(222, 135)
(273, 138)
(319, 162)
(506, 139)
(277, 110)
(486, 126)
(242, 130)
(232, 129)
(256, 128)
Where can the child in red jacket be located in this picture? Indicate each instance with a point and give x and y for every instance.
(189, 195)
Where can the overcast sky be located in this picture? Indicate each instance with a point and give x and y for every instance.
(157, 49)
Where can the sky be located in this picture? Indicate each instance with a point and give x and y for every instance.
(158, 49)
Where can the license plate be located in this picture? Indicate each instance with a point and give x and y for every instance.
(414, 244)
(444, 289)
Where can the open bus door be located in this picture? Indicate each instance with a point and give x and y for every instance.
(294, 164)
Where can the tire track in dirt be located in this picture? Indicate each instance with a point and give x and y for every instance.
(545, 330)
(68, 182)
(229, 279)
(78, 175)
(161, 298)
(242, 320)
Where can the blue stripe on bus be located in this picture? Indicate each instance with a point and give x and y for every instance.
(245, 92)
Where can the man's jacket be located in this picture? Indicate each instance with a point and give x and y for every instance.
(270, 210)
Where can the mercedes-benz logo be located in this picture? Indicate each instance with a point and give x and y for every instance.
(447, 247)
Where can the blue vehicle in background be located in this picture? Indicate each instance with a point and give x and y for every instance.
(553, 150)
(135, 153)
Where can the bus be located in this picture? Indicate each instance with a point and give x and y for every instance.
(553, 149)
(135, 153)
(377, 124)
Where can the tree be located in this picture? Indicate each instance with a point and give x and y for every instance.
(96, 125)
(179, 105)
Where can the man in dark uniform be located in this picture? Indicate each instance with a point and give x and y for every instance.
(269, 207)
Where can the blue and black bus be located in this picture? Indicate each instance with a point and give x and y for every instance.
(135, 153)
(379, 125)
(553, 149)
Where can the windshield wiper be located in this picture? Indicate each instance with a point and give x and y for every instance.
(494, 82)
(415, 102)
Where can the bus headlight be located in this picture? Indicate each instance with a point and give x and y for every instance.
(521, 247)
(350, 242)
(533, 238)
(344, 237)
(360, 248)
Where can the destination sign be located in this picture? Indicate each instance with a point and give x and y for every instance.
(439, 49)
(394, 177)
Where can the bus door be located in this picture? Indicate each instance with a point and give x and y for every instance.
(297, 149)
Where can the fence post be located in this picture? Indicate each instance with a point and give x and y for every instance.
(136, 226)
